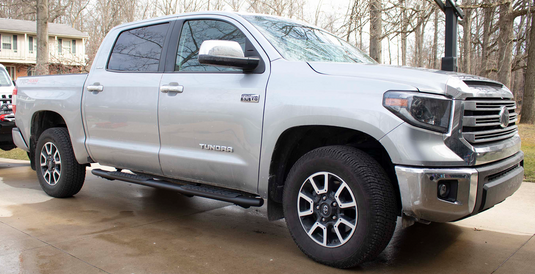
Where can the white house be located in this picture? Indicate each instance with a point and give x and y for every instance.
(18, 47)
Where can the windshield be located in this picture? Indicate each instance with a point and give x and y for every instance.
(5, 81)
(296, 42)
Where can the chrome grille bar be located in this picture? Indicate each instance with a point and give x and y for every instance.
(481, 120)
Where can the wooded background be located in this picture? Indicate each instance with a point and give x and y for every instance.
(494, 37)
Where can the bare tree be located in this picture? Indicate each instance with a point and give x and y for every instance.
(467, 38)
(376, 29)
(235, 5)
(42, 38)
(488, 16)
(528, 110)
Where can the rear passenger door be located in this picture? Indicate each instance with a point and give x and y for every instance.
(120, 101)
(207, 133)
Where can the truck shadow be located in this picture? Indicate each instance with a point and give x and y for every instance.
(416, 246)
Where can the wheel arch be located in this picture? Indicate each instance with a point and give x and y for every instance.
(41, 121)
(297, 141)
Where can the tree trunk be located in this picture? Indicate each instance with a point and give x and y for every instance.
(350, 23)
(435, 41)
(404, 26)
(505, 45)
(376, 30)
(41, 67)
(467, 37)
(418, 35)
(528, 112)
(487, 25)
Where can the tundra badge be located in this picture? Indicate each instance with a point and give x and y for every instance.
(217, 148)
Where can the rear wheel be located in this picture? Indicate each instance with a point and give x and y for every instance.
(339, 206)
(60, 175)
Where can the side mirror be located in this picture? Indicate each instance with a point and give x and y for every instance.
(226, 54)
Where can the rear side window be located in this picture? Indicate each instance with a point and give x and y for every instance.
(139, 49)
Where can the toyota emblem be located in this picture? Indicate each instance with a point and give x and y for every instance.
(504, 117)
(325, 209)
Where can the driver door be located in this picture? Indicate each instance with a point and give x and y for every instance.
(209, 114)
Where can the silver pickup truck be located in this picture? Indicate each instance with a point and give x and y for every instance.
(251, 108)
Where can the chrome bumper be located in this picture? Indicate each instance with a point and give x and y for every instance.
(18, 140)
(477, 188)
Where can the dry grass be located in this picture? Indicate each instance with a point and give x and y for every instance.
(16, 153)
(527, 133)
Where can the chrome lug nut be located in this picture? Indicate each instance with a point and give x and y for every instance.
(323, 219)
(334, 217)
(324, 198)
(317, 207)
(334, 204)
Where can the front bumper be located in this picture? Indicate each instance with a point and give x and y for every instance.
(476, 189)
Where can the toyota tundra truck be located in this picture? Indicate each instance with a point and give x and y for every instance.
(248, 109)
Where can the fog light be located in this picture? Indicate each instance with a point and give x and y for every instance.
(447, 190)
(443, 190)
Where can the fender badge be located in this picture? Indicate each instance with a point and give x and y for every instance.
(250, 98)
(217, 148)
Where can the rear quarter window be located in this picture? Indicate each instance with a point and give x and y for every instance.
(139, 49)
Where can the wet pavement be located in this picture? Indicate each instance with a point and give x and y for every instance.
(117, 227)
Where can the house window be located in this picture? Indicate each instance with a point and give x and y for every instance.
(60, 46)
(30, 44)
(11, 72)
(67, 46)
(30, 71)
(15, 45)
(6, 42)
(73, 49)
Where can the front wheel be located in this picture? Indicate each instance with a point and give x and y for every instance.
(339, 206)
(60, 175)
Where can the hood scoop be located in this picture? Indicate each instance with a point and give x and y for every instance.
(478, 83)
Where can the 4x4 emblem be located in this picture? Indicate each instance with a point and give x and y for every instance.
(504, 117)
(250, 98)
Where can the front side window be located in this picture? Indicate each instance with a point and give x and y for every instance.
(197, 31)
(73, 49)
(139, 49)
(60, 46)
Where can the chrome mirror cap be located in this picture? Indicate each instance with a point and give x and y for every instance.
(226, 54)
(221, 48)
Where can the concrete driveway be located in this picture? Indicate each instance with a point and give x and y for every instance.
(116, 227)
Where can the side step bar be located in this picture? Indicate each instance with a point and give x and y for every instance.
(216, 193)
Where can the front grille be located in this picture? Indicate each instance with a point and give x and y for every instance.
(5, 99)
(502, 173)
(481, 121)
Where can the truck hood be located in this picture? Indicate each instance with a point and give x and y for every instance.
(457, 85)
(6, 90)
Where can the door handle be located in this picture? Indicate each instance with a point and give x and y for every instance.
(96, 87)
(172, 87)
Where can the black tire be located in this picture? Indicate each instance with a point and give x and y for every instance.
(374, 214)
(65, 178)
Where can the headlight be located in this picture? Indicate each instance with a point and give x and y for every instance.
(419, 109)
